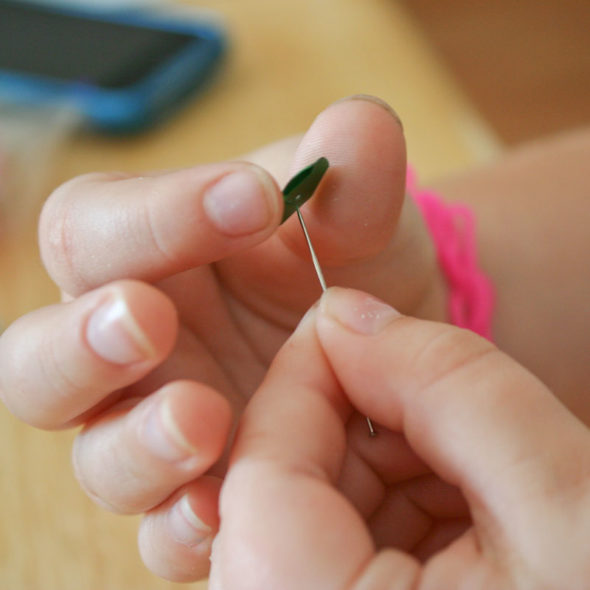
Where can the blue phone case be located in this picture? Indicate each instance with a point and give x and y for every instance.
(135, 107)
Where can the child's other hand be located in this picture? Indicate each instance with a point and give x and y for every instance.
(180, 287)
(478, 478)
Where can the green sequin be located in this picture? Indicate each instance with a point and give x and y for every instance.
(302, 186)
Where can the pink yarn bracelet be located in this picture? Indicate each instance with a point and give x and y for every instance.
(452, 226)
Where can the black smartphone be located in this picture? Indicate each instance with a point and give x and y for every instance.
(124, 70)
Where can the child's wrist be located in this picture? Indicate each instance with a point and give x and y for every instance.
(452, 228)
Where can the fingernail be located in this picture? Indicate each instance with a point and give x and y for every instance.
(240, 203)
(185, 526)
(115, 336)
(357, 311)
(161, 435)
(378, 101)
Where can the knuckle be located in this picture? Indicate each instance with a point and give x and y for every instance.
(447, 354)
(59, 228)
(156, 238)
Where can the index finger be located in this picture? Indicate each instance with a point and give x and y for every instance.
(101, 227)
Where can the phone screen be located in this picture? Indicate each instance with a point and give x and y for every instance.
(38, 41)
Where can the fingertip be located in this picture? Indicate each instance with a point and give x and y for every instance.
(372, 99)
(375, 127)
(357, 312)
(131, 460)
(175, 538)
(131, 322)
(244, 202)
(363, 191)
(194, 518)
(391, 569)
(62, 361)
(195, 420)
(272, 191)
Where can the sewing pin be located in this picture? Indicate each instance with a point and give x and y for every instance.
(320, 274)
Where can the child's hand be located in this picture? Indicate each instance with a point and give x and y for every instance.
(180, 291)
(478, 478)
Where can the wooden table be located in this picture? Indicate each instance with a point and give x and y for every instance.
(288, 60)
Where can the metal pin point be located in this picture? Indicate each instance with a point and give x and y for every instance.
(320, 274)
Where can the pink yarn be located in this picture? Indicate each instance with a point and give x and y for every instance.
(452, 226)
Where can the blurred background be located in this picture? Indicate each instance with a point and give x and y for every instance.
(525, 64)
(470, 79)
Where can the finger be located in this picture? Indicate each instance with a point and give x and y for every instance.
(131, 460)
(362, 138)
(102, 227)
(277, 157)
(405, 520)
(175, 538)
(365, 233)
(474, 415)
(59, 362)
(283, 523)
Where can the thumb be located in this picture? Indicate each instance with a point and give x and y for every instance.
(479, 419)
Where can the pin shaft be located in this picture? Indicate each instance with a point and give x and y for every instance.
(314, 258)
(320, 274)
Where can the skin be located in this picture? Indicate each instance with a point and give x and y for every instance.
(204, 304)
(532, 208)
(453, 461)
